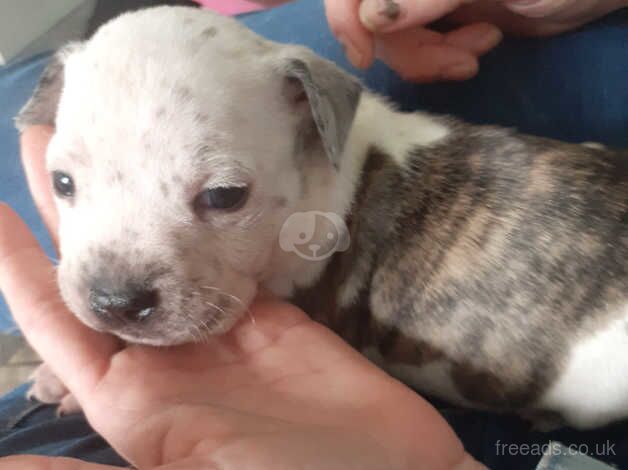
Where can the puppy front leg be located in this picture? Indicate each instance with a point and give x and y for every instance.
(47, 388)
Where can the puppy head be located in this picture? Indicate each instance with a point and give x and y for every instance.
(183, 143)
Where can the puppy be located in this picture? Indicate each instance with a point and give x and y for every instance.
(194, 161)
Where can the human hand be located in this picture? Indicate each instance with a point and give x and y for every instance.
(395, 30)
(281, 392)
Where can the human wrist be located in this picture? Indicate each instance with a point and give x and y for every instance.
(575, 8)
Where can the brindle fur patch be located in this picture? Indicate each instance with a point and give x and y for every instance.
(493, 251)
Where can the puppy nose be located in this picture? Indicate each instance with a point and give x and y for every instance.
(132, 303)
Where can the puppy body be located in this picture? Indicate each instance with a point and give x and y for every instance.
(488, 268)
(478, 265)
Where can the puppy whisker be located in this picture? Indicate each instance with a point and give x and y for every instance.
(233, 297)
(220, 309)
(194, 330)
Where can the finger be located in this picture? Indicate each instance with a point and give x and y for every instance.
(34, 141)
(395, 15)
(537, 8)
(32, 462)
(345, 24)
(477, 38)
(423, 56)
(269, 319)
(77, 354)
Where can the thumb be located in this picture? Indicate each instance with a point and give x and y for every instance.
(31, 462)
(345, 24)
(34, 142)
(385, 16)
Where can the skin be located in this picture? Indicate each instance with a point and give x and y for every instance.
(270, 394)
(403, 39)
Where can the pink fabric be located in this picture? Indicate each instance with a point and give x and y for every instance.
(231, 7)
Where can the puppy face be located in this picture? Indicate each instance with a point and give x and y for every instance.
(183, 143)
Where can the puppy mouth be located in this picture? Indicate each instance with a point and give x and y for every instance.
(214, 322)
(193, 332)
(176, 329)
(190, 315)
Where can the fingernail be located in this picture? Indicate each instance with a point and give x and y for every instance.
(352, 52)
(460, 71)
(377, 14)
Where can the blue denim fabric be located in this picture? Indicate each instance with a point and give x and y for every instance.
(571, 87)
(32, 428)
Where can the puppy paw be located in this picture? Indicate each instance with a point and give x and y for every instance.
(47, 388)
(69, 405)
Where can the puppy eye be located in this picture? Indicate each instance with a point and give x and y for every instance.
(222, 198)
(63, 184)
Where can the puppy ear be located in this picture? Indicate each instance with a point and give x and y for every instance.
(41, 108)
(331, 95)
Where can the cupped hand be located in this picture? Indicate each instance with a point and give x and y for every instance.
(279, 391)
(398, 31)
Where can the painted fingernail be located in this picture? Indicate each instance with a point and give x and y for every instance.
(460, 71)
(378, 14)
(352, 52)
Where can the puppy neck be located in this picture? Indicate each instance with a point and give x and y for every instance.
(376, 124)
(379, 124)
